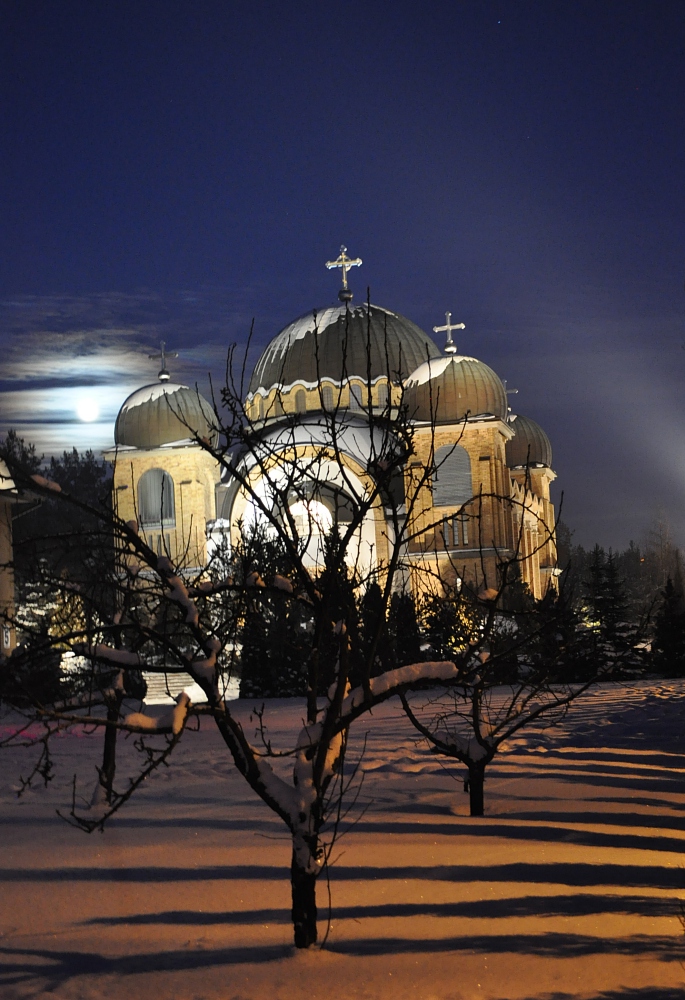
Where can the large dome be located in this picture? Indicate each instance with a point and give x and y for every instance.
(529, 446)
(163, 413)
(339, 342)
(450, 388)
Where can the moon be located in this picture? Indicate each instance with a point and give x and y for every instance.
(88, 410)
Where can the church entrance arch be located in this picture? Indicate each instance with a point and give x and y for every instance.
(318, 504)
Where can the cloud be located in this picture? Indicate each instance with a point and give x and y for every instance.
(53, 439)
(58, 350)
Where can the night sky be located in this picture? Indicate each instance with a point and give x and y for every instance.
(174, 169)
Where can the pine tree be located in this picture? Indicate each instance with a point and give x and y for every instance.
(451, 622)
(256, 668)
(668, 645)
(562, 638)
(275, 634)
(337, 583)
(52, 531)
(276, 645)
(21, 451)
(405, 635)
(608, 617)
(374, 629)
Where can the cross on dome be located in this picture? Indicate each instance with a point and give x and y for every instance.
(344, 263)
(450, 346)
(163, 375)
(509, 392)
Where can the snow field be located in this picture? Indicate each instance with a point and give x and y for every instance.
(568, 887)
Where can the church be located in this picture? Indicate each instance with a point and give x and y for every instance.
(489, 492)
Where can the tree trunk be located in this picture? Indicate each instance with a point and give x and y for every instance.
(303, 885)
(476, 779)
(109, 756)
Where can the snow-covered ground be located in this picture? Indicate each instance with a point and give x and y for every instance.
(568, 887)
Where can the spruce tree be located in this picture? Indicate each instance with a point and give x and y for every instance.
(405, 635)
(668, 645)
(275, 634)
(608, 618)
(451, 621)
(374, 629)
(341, 604)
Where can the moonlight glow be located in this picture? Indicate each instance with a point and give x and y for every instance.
(87, 410)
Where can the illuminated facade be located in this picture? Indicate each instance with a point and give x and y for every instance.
(489, 496)
(163, 479)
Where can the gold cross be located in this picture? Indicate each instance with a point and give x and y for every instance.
(450, 346)
(163, 375)
(344, 263)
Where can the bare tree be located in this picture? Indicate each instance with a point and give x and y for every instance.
(340, 495)
(531, 663)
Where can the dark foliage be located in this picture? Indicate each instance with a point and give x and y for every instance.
(374, 631)
(609, 617)
(39, 681)
(274, 633)
(49, 530)
(407, 643)
(450, 622)
(668, 645)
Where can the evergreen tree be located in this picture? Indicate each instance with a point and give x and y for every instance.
(608, 617)
(561, 638)
(21, 451)
(406, 640)
(275, 632)
(668, 644)
(374, 630)
(337, 583)
(277, 636)
(54, 532)
(451, 621)
(256, 674)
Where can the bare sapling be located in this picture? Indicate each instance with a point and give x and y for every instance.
(528, 662)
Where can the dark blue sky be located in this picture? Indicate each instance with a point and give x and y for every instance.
(174, 168)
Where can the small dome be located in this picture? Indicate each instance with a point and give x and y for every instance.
(339, 342)
(163, 413)
(529, 446)
(447, 389)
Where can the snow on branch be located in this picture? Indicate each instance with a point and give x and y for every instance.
(466, 747)
(171, 722)
(100, 651)
(387, 684)
(178, 592)
(47, 484)
(207, 588)
(205, 667)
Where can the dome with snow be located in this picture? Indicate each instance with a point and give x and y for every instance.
(162, 414)
(340, 342)
(450, 388)
(529, 446)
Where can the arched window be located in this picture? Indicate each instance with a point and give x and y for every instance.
(300, 401)
(156, 507)
(355, 397)
(261, 407)
(452, 484)
(383, 394)
(327, 397)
